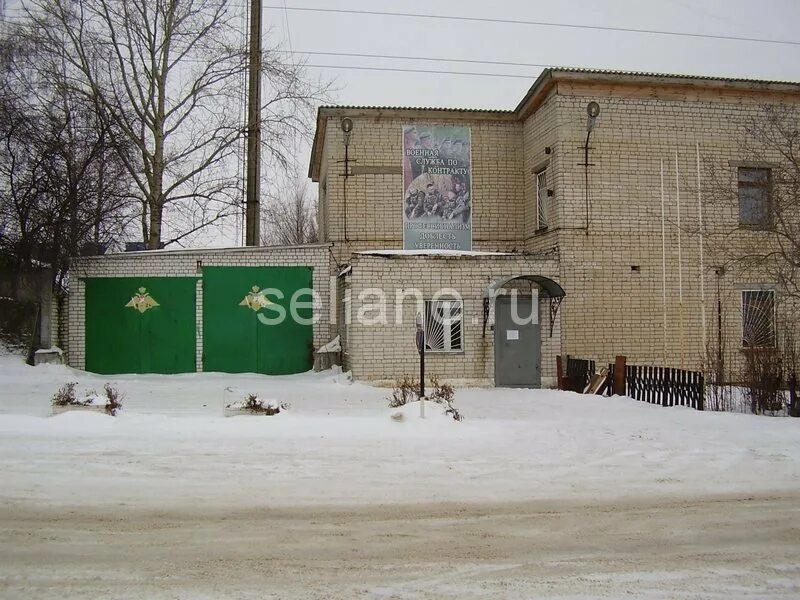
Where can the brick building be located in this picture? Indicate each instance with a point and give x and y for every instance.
(633, 274)
(620, 233)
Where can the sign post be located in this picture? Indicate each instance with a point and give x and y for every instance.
(420, 340)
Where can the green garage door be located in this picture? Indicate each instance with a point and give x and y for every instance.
(141, 325)
(242, 327)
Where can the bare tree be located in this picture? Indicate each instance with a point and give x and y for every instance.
(63, 187)
(290, 218)
(763, 244)
(770, 245)
(168, 75)
(777, 137)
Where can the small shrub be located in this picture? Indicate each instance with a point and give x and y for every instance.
(719, 393)
(65, 396)
(764, 381)
(114, 398)
(444, 394)
(441, 392)
(407, 389)
(794, 404)
(454, 412)
(255, 404)
(111, 402)
(251, 402)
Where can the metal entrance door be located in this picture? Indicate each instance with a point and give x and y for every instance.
(517, 347)
(242, 330)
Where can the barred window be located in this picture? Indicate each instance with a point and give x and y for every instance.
(758, 319)
(541, 198)
(754, 197)
(443, 327)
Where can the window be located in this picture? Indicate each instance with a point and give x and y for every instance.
(754, 197)
(541, 198)
(443, 327)
(758, 319)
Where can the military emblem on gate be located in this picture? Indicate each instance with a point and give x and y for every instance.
(255, 300)
(142, 301)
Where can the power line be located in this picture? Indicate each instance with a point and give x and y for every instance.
(538, 24)
(425, 58)
(732, 38)
(398, 70)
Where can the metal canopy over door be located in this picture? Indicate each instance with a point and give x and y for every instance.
(240, 329)
(141, 324)
(517, 354)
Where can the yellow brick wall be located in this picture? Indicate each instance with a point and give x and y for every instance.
(384, 352)
(540, 132)
(365, 211)
(610, 308)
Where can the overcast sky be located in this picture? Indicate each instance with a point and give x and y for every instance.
(432, 38)
(522, 43)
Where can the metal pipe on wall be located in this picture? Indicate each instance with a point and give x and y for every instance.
(680, 259)
(664, 260)
(702, 249)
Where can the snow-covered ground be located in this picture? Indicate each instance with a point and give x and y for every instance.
(170, 445)
(536, 494)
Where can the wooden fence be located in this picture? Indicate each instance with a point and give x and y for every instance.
(663, 385)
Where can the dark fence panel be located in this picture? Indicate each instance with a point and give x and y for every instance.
(579, 373)
(663, 385)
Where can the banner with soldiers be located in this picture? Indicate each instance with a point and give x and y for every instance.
(437, 181)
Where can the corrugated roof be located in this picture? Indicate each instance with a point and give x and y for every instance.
(673, 75)
(549, 75)
(432, 108)
(584, 70)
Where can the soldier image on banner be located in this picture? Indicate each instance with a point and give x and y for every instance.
(437, 181)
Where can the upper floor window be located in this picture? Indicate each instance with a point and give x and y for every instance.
(541, 198)
(443, 330)
(754, 197)
(758, 319)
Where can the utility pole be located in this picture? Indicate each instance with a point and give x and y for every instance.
(253, 200)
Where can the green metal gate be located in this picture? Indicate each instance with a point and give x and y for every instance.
(141, 324)
(242, 328)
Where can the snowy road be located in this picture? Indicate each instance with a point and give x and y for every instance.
(702, 548)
